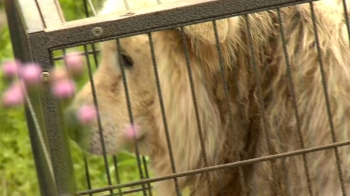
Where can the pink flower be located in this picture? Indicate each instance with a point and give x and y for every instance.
(74, 63)
(86, 114)
(59, 74)
(132, 131)
(14, 95)
(63, 89)
(31, 73)
(11, 68)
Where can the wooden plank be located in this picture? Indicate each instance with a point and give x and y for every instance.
(31, 15)
(51, 12)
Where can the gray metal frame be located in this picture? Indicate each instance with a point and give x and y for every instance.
(38, 27)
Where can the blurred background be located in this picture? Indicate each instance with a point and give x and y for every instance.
(17, 171)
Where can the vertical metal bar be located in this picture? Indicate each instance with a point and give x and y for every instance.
(325, 89)
(165, 123)
(63, 173)
(109, 179)
(95, 100)
(86, 8)
(94, 52)
(96, 65)
(294, 101)
(56, 134)
(86, 164)
(115, 161)
(261, 103)
(346, 15)
(227, 97)
(147, 175)
(199, 126)
(131, 116)
(87, 173)
(92, 45)
(58, 138)
(22, 51)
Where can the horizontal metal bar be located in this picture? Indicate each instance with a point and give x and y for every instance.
(217, 167)
(152, 19)
(134, 190)
(90, 52)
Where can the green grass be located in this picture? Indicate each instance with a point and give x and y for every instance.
(17, 170)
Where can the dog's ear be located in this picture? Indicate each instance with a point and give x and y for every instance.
(205, 31)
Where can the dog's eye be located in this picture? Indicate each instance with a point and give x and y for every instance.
(127, 61)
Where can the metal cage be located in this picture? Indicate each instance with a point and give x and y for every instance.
(41, 33)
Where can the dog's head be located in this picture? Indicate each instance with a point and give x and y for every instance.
(117, 112)
(138, 105)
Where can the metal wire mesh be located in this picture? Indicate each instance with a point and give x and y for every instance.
(81, 39)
